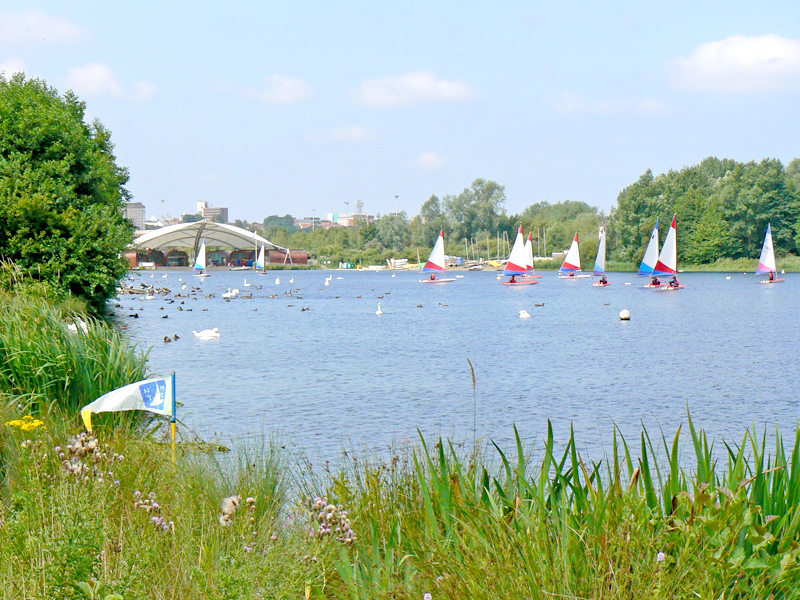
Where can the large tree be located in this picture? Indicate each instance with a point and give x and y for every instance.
(62, 194)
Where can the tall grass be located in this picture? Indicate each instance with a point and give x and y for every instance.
(45, 365)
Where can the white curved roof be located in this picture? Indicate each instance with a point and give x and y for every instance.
(189, 235)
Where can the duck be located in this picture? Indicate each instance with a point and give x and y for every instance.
(524, 314)
(542, 304)
(379, 311)
(207, 334)
(176, 337)
(167, 339)
(165, 317)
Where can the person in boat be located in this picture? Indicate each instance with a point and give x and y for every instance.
(771, 276)
(655, 282)
(603, 280)
(513, 279)
(572, 273)
(433, 276)
(674, 282)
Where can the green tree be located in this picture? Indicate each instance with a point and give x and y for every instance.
(187, 218)
(477, 210)
(62, 194)
(393, 231)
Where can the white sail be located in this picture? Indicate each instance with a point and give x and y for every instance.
(668, 259)
(200, 261)
(436, 259)
(650, 254)
(516, 260)
(766, 264)
(529, 253)
(260, 259)
(573, 260)
(600, 262)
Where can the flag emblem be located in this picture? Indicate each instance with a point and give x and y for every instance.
(154, 394)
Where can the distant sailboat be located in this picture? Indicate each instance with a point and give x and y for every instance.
(529, 266)
(600, 262)
(668, 259)
(516, 265)
(260, 261)
(200, 262)
(571, 268)
(766, 264)
(650, 259)
(436, 262)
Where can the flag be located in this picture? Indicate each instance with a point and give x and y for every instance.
(153, 395)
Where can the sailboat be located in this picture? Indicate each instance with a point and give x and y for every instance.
(572, 263)
(650, 258)
(766, 264)
(668, 259)
(200, 262)
(516, 265)
(600, 262)
(435, 262)
(260, 261)
(529, 266)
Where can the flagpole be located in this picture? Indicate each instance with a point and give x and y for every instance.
(174, 410)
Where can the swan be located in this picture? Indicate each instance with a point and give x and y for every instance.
(523, 314)
(149, 297)
(183, 287)
(164, 276)
(180, 278)
(728, 277)
(379, 311)
(393, 274)
(338, 277)
(277, 281)
(327, 282)
(247, 284)
(291, 280)
(207, 334)
(229, 294)
(152, 275)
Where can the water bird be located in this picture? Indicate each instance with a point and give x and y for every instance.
(207, 334)
(783, 271)
(247, 284)
(164, 276)
(149, 297)
(379, 311)
(358, 296)
(289, 305)
(180, 278)
(327, 282)
(175, 337)
(229, 294)
(606, 303)
(542, 304)
(419, 305)
(183, 287)
(338, 277)
(440, 304)
(728, 277)
(291, 280)
(305, 309)
(524, 314)
(180, 308)
(134, 315)
(277, 281)
(165, 317)
(167, 339)
(379, 297)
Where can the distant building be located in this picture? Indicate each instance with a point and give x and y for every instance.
(212, 213)
(134, 212)
(354, 219)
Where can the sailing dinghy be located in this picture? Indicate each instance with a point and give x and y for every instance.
(650, 259)
(571, 269)
(600, 262)
(529, 266)
(435, 262)
(668, 259)
(516, 265)
(766, 264)
(260, 261)
(200, 262)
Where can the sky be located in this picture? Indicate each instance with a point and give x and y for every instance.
(301, 107)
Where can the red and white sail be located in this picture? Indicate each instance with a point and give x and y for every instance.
(436, 259)
(573, 260)
(668, 259)
(766, 264)
(516, 264)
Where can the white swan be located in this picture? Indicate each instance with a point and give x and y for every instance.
(207, 334)
(149, 297)
(327, 282)
(291, 280)
(379, 311)
(338, 277)
(728, 277)
(229, 294)
(277, 281)
(523, 314)
(180, 278)
(183, 287)
(164, 276)
(247, 284)
(393, 274)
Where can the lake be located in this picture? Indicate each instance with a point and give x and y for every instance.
(338, 375)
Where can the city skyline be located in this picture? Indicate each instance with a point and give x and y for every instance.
(276, 109)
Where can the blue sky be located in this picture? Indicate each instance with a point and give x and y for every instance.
(275, 108)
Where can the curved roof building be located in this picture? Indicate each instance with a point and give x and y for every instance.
(190, 235)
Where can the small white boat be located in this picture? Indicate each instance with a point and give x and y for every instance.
(667, 263)
(516, 265)
(200, 262)
(600, 263)
(571, 267)
(766, 263)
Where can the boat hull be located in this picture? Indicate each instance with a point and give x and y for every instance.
(773, 281)
(520, 282)
(574, 276)
(201, 274)
(600, 284)
(672, 288)
(444, 280)
(533, 276)
(655, 287)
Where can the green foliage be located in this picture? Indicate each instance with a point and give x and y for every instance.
(187, 218)
(61, 192)
(273, 222)
(723, 210)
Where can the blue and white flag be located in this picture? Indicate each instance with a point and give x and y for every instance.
(152, 395)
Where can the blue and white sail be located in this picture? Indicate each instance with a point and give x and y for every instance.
(600, 261)
(650, 255)
(260, 259)
(200, 260)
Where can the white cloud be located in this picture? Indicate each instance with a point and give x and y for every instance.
(430, 160)
(740, 64)
(37, 25)
(282, 89)
(98, 79)
(352, 135)
(410, 88)
(570, 102)
(11, 66)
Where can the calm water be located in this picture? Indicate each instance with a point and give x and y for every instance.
(337, 374)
